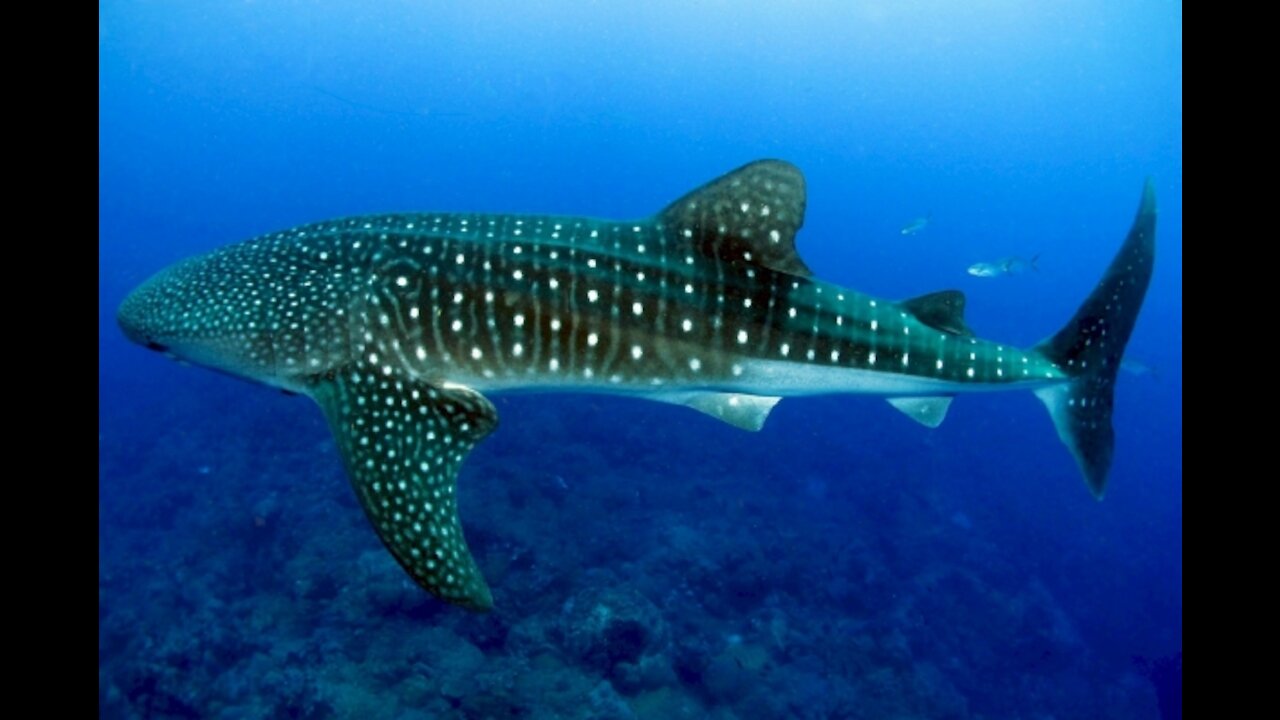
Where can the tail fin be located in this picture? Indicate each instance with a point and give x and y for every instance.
(1090, 346)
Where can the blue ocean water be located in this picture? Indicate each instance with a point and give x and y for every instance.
(647, 561)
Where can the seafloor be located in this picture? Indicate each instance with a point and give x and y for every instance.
(645, 561)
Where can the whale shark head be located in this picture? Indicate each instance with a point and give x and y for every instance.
(190, 313)
(261, 311)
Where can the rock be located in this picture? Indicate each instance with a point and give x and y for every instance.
(602, 627)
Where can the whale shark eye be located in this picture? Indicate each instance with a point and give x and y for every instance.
(153, 345)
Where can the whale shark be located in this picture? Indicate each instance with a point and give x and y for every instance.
(399, 326)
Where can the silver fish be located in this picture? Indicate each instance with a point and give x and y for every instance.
(1004, 266)
(915, 226)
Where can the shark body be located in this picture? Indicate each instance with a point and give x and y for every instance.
(396, 325)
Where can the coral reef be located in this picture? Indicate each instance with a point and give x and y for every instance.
(712, 580)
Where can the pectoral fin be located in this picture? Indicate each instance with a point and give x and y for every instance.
(403, 443)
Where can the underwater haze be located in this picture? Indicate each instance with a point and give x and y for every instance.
(647, 561)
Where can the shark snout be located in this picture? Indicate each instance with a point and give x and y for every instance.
(134, 318)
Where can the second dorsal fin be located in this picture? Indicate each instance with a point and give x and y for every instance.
(942, 310)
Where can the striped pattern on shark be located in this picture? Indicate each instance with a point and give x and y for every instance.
(397, 324)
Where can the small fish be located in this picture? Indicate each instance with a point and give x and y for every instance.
(1004, 266)
(916, 225)
(1136, 367)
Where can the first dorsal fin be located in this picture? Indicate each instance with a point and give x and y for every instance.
(942, 310)
(750, 215)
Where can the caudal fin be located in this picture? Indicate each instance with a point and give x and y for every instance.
(1090, 346)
